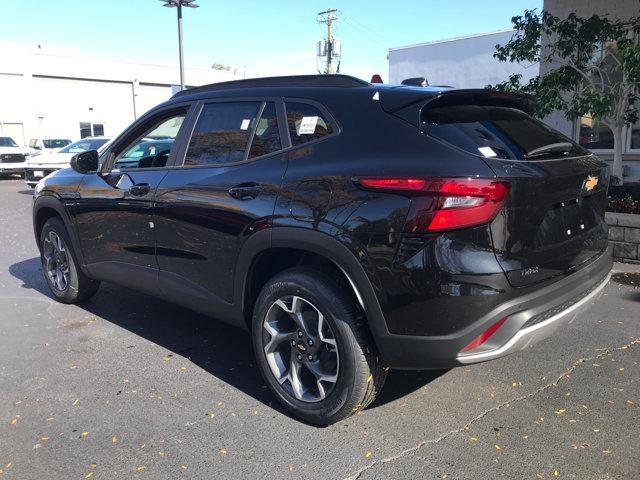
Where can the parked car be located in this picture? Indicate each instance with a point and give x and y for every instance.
(350, 227)
(38, 146)
(36, 168)
(12, 156)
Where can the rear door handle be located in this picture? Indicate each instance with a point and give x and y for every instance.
(246, 191)
(140, 189)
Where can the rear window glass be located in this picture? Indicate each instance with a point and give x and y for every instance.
(306, 123)
(267, 136)
(497, 132)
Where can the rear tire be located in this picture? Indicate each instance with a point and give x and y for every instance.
(60, 267)
(314, 348)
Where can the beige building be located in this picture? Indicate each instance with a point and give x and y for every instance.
(596, 136)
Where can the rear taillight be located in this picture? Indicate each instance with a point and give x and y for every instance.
(445, 203)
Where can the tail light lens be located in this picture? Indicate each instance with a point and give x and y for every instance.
(445, 203)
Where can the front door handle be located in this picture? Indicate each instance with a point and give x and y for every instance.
(245, 191)
(140, 189)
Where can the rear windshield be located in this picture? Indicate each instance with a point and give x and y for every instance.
(7, 142)
(55, 143)
(497, 132)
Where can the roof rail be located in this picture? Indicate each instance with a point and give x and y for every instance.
(288, 81)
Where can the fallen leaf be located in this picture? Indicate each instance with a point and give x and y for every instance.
(561, 411)
(93, 465)
(606, 451)
(555, 472)
(75, 402)
(596, 430)
(498, 447)
(44, 439)
(184, 467)
(161, 453)
(84, 434)
(114, 439)
(473, 439)
(621, 369)
(629, 402)
(290, 467)
(368, 454)
(140, 468)
(89, 475)
(223, 451)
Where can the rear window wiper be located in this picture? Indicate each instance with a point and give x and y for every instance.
(560, 147)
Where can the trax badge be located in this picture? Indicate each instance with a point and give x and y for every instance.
(590, 183)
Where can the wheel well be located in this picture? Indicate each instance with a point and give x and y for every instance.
(275, 260)
(44, 214)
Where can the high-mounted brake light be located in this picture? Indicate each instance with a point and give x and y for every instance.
(445, 203)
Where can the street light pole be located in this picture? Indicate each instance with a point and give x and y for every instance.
(179, 4)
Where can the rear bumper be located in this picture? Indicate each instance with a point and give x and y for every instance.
(17, 167)
(530, 317)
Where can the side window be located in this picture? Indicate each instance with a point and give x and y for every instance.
(306, 123)
(267, 137)
(222, 133)
(152, 149)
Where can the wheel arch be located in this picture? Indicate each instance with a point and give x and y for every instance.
(49, 206)
(316, 246)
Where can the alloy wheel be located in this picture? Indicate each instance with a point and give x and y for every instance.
(56, 261)
(300, 348)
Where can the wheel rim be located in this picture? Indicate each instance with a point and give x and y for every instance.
(56, 261)
(300, 348)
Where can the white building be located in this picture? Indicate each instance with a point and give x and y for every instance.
(48, 94)
(462, 62)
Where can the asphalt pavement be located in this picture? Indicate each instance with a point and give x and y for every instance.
(129, 386)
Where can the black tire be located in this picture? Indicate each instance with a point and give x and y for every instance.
(78, 286)
(360, 376)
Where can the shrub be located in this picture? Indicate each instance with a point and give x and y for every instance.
(624, 204)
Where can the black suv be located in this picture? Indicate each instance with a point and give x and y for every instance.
(351, 227)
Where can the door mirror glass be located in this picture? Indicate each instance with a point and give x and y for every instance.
(85, 162)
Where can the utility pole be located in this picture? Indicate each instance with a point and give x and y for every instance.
(328, 18)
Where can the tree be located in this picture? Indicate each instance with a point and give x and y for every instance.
(221, 66)
(595, 69)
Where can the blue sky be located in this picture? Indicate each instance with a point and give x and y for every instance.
(258, 37)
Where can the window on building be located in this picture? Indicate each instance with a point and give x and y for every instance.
(98, 129)
(306, 123)
(634, 136)
(88, 129)
(222, 133)
(267, 137)
(594, 135)
(85, 129)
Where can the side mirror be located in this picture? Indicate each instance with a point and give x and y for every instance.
(85, 162)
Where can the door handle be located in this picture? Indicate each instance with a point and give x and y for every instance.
(140, 189)
(245, 191)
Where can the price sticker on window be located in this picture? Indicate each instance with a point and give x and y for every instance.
(308, 125)
(245, 124)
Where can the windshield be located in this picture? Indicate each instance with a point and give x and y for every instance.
(7, 142)
(55, 143)
(497, 132)
(84, 145)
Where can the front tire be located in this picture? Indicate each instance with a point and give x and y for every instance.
(313, 346)
(60, 266)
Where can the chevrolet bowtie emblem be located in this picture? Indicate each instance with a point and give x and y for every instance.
(590, 183)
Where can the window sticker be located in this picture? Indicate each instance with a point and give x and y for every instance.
(487, 152)
(308, 125)
(245, 124)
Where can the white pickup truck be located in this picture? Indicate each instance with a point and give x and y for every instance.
(12, 157)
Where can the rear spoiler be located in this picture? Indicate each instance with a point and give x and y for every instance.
(407, 104)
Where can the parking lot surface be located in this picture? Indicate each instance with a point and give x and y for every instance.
(128, 386)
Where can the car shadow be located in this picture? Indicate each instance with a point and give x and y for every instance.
(219, 349)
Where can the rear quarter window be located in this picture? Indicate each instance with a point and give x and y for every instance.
(307, 123)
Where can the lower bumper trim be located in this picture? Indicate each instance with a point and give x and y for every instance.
(536, 332)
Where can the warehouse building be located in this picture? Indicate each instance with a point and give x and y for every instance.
(49, 94)
(461, 62)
